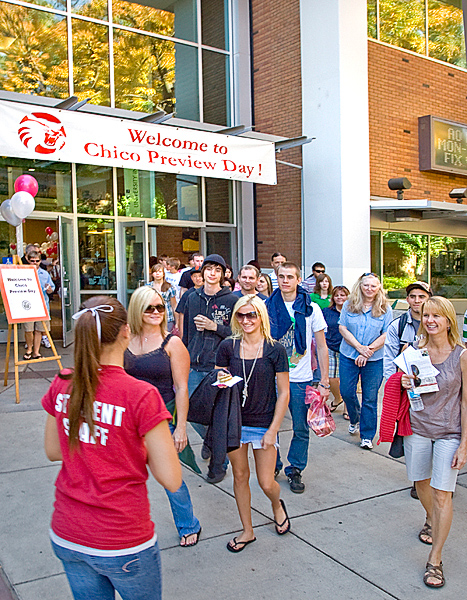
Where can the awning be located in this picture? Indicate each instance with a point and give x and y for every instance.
(393, 211)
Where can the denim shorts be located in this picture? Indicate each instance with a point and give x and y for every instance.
(253, 436)
(426, 458)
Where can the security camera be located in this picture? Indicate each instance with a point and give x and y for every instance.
(459, 194)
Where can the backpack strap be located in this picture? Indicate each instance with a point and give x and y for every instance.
(403, 320)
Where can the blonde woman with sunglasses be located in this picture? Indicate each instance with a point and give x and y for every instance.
(253, 355)
(161, 359)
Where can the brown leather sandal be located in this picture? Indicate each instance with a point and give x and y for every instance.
(434, 572)
(425, 535)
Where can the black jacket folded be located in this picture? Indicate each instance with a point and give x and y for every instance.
(220, 410)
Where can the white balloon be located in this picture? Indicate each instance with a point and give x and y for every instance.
(23, 204)
(8, 214)
(54, 236)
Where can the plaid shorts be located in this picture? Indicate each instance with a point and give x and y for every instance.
(333, 364)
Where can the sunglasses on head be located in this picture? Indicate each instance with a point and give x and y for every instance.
(153, 307)
(369, 275)
(251, 316)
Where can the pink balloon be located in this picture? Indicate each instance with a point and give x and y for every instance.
(26, 183)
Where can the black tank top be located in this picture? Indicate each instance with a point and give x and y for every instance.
(153, 367)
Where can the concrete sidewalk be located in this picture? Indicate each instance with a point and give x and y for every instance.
(354, 530)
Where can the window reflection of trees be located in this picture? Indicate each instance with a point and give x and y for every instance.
(403, 23)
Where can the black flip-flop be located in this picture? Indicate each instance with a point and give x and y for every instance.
(232, 548)
(333, 406)
(187, 535)
(27, 356)
(36, 357)
(278, 525)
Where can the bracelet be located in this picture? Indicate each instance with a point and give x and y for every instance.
(326, 387)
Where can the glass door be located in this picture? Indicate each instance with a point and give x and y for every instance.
(134, 263)
(221, 241)
(67, 269)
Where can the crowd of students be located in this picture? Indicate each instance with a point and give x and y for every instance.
(188, 330)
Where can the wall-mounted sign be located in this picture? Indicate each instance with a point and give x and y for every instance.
(71, 136)
(22, 294)
(442, 145)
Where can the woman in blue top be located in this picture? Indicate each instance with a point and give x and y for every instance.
(363, 323)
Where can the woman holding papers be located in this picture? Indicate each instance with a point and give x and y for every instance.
(254, 356)
(437, 448)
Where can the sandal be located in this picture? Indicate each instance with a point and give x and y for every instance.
(187, 535)
(333, 406)
(434, 572)
(36, 357)
(425, 535)
(232, 545)
(279, 525)
(27, 356)
(345, 415)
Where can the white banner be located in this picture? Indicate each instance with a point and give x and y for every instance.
(29, 131)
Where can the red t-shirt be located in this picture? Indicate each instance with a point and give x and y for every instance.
(101, 498)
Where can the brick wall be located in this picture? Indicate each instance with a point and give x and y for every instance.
(403, 87)
(277, 110)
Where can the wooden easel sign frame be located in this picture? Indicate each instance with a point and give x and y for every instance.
(24, 302)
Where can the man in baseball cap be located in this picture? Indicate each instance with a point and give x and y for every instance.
(206, 322)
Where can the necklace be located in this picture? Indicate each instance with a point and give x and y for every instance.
(150, 335)
(245, 378)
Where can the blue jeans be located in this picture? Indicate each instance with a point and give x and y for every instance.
(182, 507)
(134, 576)
(298, 451)
(371, 376)
(194, 379)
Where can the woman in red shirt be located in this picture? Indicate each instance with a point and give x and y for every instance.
(106, 427)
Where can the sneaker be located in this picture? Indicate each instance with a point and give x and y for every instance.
(45, 341)
(205, 452)
(366, 444)
(295, 481)
(353, 429)
(216, 478)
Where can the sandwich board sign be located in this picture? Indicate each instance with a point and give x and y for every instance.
(22, 294)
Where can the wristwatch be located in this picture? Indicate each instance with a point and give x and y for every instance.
(326, 387)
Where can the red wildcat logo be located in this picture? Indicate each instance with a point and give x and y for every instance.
(42, 132)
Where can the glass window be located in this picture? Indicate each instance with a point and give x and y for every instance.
(214, 23)
(186, 83)
(219, 202)
(177, 241)
(158, 195)
(375, 240)
(94, 189)
(220, 242)
(33, 52)
(90, 8)
(144, 70)
(371, 15)
(96, 254)
(405, 259)
(91, 62)
(448, 266)
(402, 23)
(54, 181)
(446, 32)
(175, 19)
(216, 101)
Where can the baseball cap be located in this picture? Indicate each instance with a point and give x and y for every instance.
(215, 259)
(419, 285)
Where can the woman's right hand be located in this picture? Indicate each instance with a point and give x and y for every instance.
(406, 381)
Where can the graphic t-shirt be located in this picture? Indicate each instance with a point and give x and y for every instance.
(300, 365)
(101, 499)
